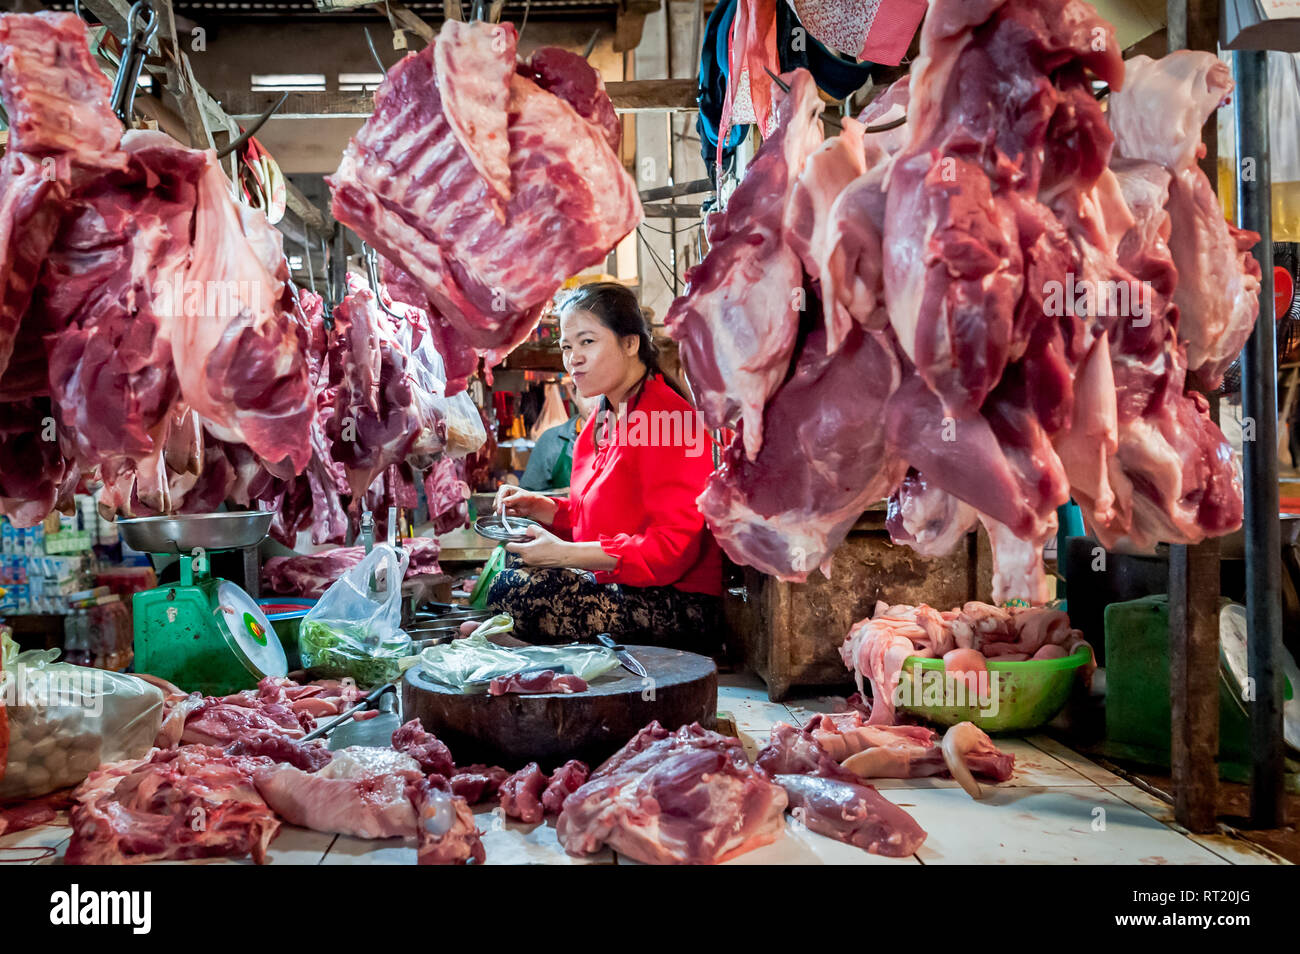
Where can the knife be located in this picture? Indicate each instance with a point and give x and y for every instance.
(628, 661)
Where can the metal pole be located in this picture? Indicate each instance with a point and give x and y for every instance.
(1194, 570)
(1259, 453)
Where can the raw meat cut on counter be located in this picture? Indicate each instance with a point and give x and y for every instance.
(528, 795)
(445, 829)
(832, 801)
(684, 797)
(427, 749)
(564, 781)
(146, 810)
(33, 812)
(487, 189)
(521, 794)
(536, 682)
(852, 813)
(310, 576)
(360, 792)
(478, 783)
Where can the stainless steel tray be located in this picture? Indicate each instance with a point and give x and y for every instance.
(208, 531)
(491, 527)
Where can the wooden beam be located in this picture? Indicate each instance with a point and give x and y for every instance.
(113, 14)
(630, 96)
(311, 214)
(1194, 570)
(631, 22)
(407, 20)
(180, 78)
(245, 104)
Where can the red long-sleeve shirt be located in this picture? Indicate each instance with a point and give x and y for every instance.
(635, 496)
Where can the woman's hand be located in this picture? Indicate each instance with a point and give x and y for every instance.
(543, 548)
(525, 503)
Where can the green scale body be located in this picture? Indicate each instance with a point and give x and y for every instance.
(204, 634)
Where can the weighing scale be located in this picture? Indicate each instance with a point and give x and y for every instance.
(204, 634)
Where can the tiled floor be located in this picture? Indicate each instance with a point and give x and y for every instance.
(1059, 808)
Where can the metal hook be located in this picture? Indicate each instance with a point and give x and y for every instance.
(140, 31)
(834, 124)
(327, 310)
(479, 11)
(375, 53)
(248, 134)
(311, 272)
(372, 272)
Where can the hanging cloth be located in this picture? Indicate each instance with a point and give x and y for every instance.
(713, 91)
(876, 30)
(753, 52)
(836, 76)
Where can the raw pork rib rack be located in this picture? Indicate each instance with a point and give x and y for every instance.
(1004, 302)
(485, 184)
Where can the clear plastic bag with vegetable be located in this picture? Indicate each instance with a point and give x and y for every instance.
(355, 628)
(64, 721)
(468, 665)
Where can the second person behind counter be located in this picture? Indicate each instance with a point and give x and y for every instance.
(628, 553)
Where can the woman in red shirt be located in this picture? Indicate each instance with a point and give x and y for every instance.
(628, 552)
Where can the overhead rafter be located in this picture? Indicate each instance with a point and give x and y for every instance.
(199, 112)
(629, 96)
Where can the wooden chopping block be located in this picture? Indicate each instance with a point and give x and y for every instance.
(550, 728)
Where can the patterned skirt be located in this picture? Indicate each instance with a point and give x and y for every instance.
(559, 605)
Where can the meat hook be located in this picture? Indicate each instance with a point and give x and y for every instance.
(372, 271)
(375, 53)
(248, 134)
(141, 27)
(833, 123)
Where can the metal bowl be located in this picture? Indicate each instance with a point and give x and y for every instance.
(208, 531)
(492, 528)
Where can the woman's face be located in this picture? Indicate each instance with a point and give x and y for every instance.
(598, 359)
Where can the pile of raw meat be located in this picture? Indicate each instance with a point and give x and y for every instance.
(965, 639)
(151, 338)
(998, 306)
(822, 767)
(227, 771)
(485, 183)
(309, 576)
(684, 797)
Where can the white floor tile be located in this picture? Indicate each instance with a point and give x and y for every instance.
(1237, 850)
(799, 846)
(805, 709)
(517, 844)
(1084, 825)
(348, 850)
(1081, 764)
(1157, 808)
(1034, 769)
(29, 847)
(750, 708)
(299, 846)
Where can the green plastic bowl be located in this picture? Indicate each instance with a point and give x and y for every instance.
(1028, 693)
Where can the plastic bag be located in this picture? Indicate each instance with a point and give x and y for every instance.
(65, 721)
(468, 665)
(355, 628)
(495, 564)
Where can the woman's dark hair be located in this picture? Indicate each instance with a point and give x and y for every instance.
(616, 307)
